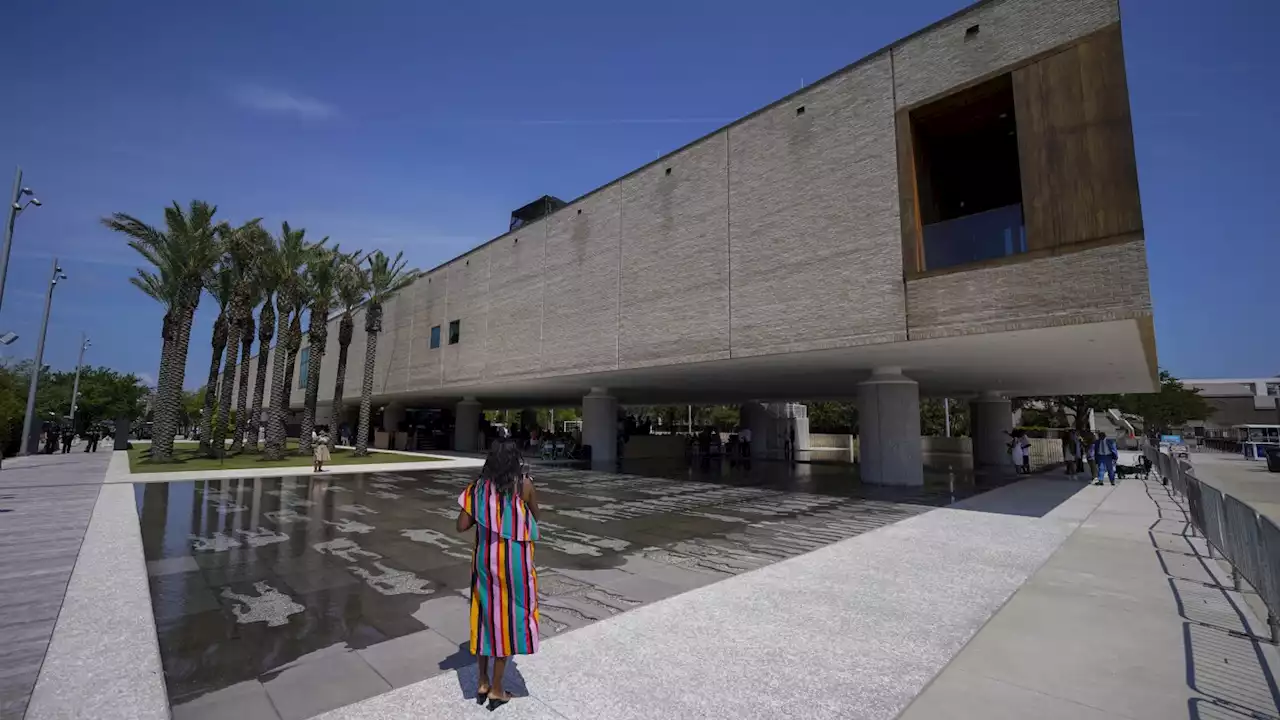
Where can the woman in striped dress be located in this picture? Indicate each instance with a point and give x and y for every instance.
(502, 507)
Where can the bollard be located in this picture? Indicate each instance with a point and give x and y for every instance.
(1274, 622)
(1210, 546)
(1235, 578)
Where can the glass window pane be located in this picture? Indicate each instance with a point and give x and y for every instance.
(304, 364)
(455, 332)
(435, 337)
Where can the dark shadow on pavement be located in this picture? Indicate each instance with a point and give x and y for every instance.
(1033, 497)
(468, 673)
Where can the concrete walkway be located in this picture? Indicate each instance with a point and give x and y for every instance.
(45, 505)
(852, 630)
(1128, 619)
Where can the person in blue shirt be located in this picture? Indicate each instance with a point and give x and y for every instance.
(1105, 453)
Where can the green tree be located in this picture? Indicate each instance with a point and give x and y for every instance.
(933, 417)
(387, 276)
(1168, 408)
(292, 253)
(352, 287)
(180, 257)
(321, 280)
(240, 247)
(833, 417)
(220, 282)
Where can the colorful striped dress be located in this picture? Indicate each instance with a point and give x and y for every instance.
(504, 584)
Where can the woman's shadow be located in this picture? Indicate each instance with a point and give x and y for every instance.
(469, 675)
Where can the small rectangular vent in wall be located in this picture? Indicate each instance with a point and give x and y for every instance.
(799, 111)
(579, 212)
(971, 32)
(668, 171)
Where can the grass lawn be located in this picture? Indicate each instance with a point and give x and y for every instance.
(187, 457)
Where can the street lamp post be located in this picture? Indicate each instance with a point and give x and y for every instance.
(75, 386)
(15, 208)
(29, 447)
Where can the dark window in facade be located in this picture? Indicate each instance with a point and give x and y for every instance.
(455, 331)
(969, 183)
(435, 337)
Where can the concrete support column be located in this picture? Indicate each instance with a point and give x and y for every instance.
(600, 425)
(392, 414)
(990, 422)
(528, 418)
(889, 429)
(466, 425)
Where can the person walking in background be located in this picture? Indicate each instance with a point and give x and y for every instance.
(1073, 453)
(1105, 453)
(68, 436)
(744, 442)
(1018, 451)
(1087, 439)
(502, 506)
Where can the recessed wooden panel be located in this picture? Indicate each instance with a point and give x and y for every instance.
(1075, 145)
(908, 196)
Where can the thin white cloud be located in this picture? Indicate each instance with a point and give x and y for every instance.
(147, 379)
(273, 100)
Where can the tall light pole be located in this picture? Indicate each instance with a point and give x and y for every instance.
(15, 208)
(29, 447)
(75, 386)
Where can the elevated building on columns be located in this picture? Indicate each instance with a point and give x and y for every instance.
(955, 214)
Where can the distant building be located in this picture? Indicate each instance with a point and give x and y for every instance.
(1236, 402)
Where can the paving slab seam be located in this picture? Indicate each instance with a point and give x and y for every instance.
(1077, 524)
(103, 662)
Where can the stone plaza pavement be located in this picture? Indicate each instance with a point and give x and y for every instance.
(1043, 598)
(45, 504)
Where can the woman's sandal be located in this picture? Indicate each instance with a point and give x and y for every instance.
(495, 703)
(482, 696)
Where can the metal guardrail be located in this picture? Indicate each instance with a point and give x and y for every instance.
(1248, 540)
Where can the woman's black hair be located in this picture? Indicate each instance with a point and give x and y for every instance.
(504, 465)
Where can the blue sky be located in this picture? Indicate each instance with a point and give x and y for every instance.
(418, 126)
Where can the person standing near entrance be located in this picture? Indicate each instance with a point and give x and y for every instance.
(502, 506)
(1105, 453)
(744, 441)
(1073, 453)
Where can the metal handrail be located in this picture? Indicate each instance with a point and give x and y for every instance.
(1247, 539)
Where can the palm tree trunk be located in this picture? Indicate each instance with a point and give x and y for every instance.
(366, 394)
(220, 429)
(318, 337)
(294, 344)
(169, 402)
(266, 331)
(211, 387)
(242, 396)
(274, 449)
(345, 329)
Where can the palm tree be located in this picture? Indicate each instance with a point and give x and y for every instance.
(181, 256)
(292, 253)
(220, 282)
(247, 329)
(321, 281)
(241, 248)
(386, 278)
(268, 282)
(353, 283)
(159, 287)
